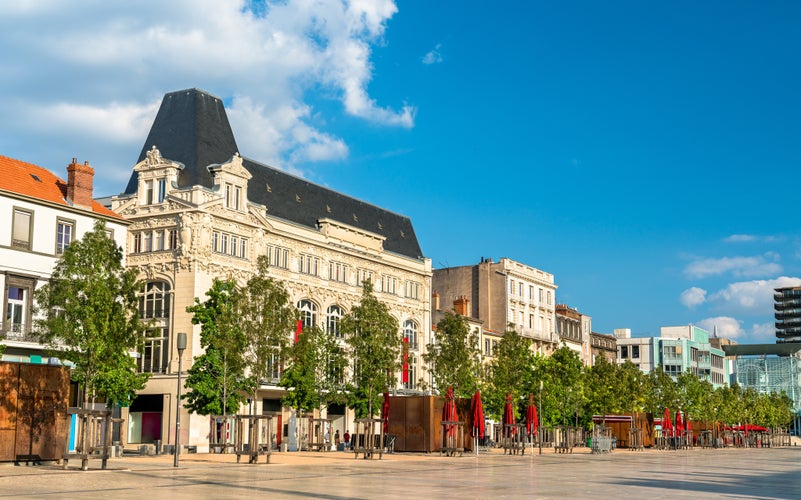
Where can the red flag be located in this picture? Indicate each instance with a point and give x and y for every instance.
(298, 330)
(405, 373)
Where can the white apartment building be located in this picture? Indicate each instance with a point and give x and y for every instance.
(43, 215)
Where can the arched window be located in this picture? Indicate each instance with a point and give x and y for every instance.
(410, 333)
(333, 317)
(154, 306)
(155, 300)
(308, 313)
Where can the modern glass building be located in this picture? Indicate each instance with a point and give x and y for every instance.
(787, 304)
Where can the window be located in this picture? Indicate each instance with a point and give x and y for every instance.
(279, 256)
(308, 313)
(511, 287)
(635, 351)
(237, 198)
(228, 189)
(155, 300)
(412, 380)
(412, 290)
(173, 239)
(549, 298)
(390, 284)
(308, 264)
(624, 352)
(338, 272)
(147, 242)
(229, 244)
(333, 317)
(64, 233)
(530, 292)
(520, 289)
(223, 243)
(158, 240)
(243, 248)
(21, 231)
(410, 333)
(149, 193)
(153, 358)
(137, 247)
(487, 348)
(16, 311)
(363, 275)
(540, 295)
(162, 188)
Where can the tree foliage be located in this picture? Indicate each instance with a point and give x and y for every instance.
(266, 319)
(314, 376)
(89, 315)
(216, 381)
(454, 359)
(510, 372)
(374, 341)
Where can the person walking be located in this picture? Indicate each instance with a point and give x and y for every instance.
(336, 439)
(347, 439)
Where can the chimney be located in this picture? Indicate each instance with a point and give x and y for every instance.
(460, 305)
(79, 184)
(435, 298)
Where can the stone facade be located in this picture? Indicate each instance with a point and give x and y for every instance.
(184, 234)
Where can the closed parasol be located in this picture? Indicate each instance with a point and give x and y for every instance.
(385, 413)
(508, 415)
(479, 428)
(667, 426)
(449, 411)
(531, 416)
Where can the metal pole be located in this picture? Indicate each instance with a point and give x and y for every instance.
(181, 345)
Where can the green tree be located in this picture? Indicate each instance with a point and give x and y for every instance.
(314, 375)
(602, 387)
(563, 385)
(374, 341)
(266, 319)
(216, 381)
(454, 358)
(90, 316)
(510, 372)
(632, 388)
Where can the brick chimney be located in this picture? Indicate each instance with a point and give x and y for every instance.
(79, 184)
(460, 305)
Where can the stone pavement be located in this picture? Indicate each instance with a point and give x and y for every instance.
(726, 473)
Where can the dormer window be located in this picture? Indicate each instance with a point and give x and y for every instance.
(233, 197)
(155, 191)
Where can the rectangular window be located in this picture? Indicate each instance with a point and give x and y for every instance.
(64, 233)
(549, 298)
(635, 351)
(624, 352)
(234, 245)
(530, 292)
(308, 264)
(147, 243)
(137, 246)
(21, 230)
(520, 289)
(243, 248)
(228, 189)
(540, 298)
(412, 290)
(511, 287)
(173, 239)
(338, 272)
(215, 241)
(16, 310)
(149, 193)
(279, 256)
(487, 351)
(162, 189)
(158, 243)
(390, 284)
(223, 243)
(364, 275)
(237, 198)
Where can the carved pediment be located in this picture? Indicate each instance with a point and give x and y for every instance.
(232, 167)
(154, 161)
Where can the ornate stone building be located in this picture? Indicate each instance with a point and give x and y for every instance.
(199, 210)
(574, 330)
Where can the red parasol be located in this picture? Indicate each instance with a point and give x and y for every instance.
(531, 416)
(667, 426)
(478, 416)
(385, 413)
(679, 423)
(298, 330)
(508, 412)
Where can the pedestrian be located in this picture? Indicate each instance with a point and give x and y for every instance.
(336, 439)
(347, 439)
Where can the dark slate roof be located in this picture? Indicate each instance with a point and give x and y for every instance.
(192, 128)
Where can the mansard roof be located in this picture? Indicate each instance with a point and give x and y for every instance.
(40, 184)
(191, 127)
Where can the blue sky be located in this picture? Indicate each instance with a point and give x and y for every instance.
(645, 153)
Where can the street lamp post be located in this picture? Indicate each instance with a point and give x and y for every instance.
(180, 345)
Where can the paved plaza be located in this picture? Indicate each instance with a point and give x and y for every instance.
(727, 473)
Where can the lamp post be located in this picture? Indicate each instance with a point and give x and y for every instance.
(180, 345)
(539, 428)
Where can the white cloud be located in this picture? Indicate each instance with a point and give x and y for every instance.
(727, 327)
(740, 238)
(693, 297)
(101, 81)
(434, 56)
(750, 297)
(763, 332)
(741, 267)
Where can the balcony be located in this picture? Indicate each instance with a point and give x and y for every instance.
(20, 333)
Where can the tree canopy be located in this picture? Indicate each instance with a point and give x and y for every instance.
(454, 359)
(374, 341)
(89, 315)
